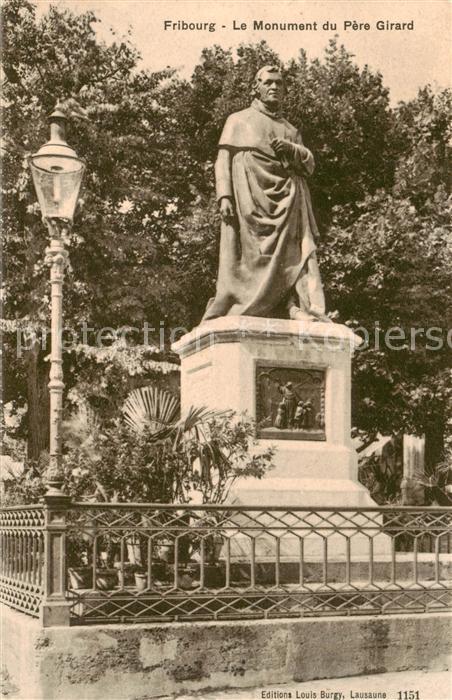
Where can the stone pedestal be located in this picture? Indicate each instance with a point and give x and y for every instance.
(247, 364)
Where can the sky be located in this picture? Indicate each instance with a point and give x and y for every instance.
(408, 59)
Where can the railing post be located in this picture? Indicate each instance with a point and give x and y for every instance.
(55, 608)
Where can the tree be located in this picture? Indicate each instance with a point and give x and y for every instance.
(387, 261)
(346, 120)
(120, 268)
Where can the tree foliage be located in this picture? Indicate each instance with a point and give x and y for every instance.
(122, 129)
(387, 264)
(150, 453)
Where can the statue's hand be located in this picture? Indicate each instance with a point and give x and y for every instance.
(226, 209)
(282, 148)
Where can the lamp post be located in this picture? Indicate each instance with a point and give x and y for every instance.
(57, 174)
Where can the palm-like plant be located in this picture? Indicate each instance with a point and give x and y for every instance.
(151, 407)
(158, 411)
(437, 480)
(151, 454)
(214, 446)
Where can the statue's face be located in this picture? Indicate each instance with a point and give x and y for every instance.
(270, 88)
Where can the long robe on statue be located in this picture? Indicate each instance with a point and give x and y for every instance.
(264, 252)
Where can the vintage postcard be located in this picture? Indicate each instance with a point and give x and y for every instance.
(227, 331)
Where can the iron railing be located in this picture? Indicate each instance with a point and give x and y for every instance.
(22, 557)
(160, 563)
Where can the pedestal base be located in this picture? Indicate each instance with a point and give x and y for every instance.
(294, 379)
(309, 493)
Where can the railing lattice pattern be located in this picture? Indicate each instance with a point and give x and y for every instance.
(22, 558)
(162, 563)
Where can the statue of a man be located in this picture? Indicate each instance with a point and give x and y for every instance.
(268, 265)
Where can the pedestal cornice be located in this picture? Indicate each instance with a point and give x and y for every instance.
(236, 329)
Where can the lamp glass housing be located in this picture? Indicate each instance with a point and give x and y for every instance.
(57, 179)
(57, 171)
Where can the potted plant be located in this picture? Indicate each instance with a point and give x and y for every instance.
(186, 578)
(141, 579)
(165, 549)
(80, 577)
(213, 570)
(215, 545)
(214, 576)
(125, 572)
(106, 579)
(159, 569)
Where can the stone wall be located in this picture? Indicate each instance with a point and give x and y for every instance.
(137, 662)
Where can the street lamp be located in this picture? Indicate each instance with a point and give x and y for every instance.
(57, 175)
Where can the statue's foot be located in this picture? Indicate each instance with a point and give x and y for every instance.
(296, 314)
(323, 318)
(319, 313)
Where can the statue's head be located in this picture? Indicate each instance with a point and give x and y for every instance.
(268, 86)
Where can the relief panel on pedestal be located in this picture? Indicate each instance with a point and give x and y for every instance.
(290, 403)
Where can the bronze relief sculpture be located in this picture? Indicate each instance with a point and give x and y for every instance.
(290, 403)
